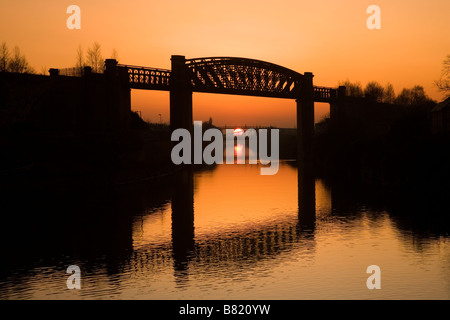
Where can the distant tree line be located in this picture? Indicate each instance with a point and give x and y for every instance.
(408, 96)
(375, 91)
(93, 58)
(13, 61)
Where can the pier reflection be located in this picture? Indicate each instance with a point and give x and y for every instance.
(244, 246)
(306, 200)
(183, 220)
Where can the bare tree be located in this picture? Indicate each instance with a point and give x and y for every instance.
(44, 71)
(18, 63)
(4, 57)
(80, 60)
(443, 83)
(94, 58)
(115, 55)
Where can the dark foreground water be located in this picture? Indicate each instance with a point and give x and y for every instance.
(235, 235)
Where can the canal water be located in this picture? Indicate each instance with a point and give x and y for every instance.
(226, 233)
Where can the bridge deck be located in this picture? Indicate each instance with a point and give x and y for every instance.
(224, 81)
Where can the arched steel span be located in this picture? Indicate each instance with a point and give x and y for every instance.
(242, 76)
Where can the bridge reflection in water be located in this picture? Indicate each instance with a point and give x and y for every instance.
(216, 224)
(229, 249)
(224, 232)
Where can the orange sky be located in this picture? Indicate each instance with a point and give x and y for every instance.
(327, 37)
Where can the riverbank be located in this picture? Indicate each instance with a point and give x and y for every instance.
(92, 159)
(406, 159)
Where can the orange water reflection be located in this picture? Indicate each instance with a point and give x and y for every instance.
(233, 199)
(247, 240)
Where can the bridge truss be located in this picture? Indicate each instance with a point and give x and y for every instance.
(238, 76)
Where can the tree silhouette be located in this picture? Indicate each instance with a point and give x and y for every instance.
(4, 57)
(413, 96)
(443, 83)
(115, 55)
(44, 71)
(18, 63)
(352, 89)
(404, 98)
(418, 96)
(94, 58)
(389, 93)
(15, 63)
(374, 90)
(80, 60)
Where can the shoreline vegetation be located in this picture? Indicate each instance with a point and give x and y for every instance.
(388, 142)
(405, 163)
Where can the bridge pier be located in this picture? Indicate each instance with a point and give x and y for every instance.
(183, 218)
(305, 122)
(306, 199)
(180, 96)
(118, 96)
(305, 159)
(336, 106)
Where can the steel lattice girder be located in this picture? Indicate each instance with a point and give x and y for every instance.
(226, 75)
(243, 76)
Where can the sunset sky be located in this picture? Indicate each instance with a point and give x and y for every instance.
(326, 37)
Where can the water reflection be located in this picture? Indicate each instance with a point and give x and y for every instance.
(241, 244)
(183, 222)
(226, 232)
(306, 200)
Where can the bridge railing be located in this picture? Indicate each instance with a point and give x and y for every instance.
(147, 78)
(325, 94)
